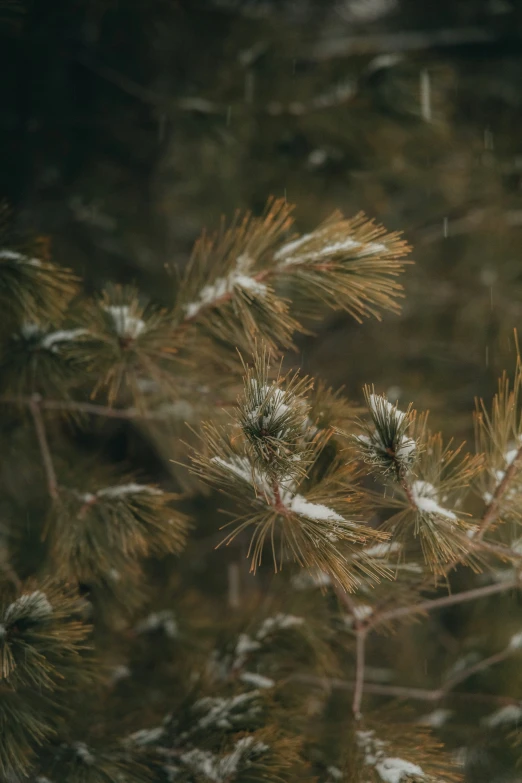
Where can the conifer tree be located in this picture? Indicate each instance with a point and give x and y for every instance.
(130, 653)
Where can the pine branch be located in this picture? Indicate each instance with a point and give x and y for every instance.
(498, 433)
(229, 285)
(52, 483)
(419, 474)
(493, 508)
(263, 459)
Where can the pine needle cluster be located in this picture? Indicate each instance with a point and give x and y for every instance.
(118, 663)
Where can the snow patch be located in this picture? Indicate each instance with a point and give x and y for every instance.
(221, 769)
(34, 606)
(390, 769)
(245, 645)
(362, 611)
(334, 773)
(315, 578)
(226, 713)
(257, 680)
(426, 498)
(515, 643)
(146, 736)
(52, 340)
(29, 330)
(164, 620)
(125, 324)
(286, 253)
(379, 404)
(83, 753)
(279, 622)
(395, 770)
(435, 719)
(120, 672)
(20, 258)
(237, 278)
(241, 467)
(122, 490)
(313, 511)
(382, 550)
(511, 713)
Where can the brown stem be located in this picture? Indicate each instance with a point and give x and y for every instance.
(234, 585)
(80, 407)
(279, 506)
(94, 409)
(401, 691)
(485, 663)
(407, 489)
(360, 656)
(35, 408)
(491, 512)
(438, 603)
(360, 648)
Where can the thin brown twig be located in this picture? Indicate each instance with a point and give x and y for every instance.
(360, 648)
(439, 603)
(485, 663)
(360, 660)
(97, 410)
(401, 691)
(41, 434)
(80, 407)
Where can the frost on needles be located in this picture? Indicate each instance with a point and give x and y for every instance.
(128, 655)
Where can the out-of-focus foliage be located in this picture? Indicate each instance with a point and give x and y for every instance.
(127, 127)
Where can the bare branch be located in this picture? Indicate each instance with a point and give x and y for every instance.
(485, 663)
(447, 600)
(234, 586)
(409, 41)
(360, 649)
(52, 484)
(74, 406)
(402, 691)
(360, 655)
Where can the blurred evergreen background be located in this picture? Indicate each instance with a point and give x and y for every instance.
(130, 125)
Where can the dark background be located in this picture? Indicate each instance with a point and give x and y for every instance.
(127, 127)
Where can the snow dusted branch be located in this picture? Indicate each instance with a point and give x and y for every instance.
(386, 444)
(222, 289)
(349, 264)
(391, 769)
(493, 508)
(424, 497)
